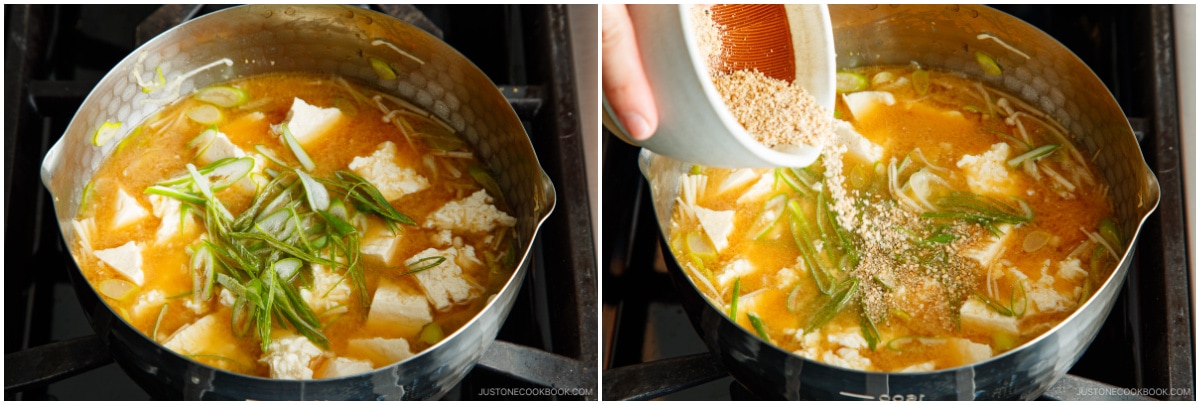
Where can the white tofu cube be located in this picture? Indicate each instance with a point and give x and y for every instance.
(329, 289)
(987, 173)
(862, 103)
(474, 214)
(290, 357)
(975, 315)
(395, 309)
(379, 243)
(308, 122)
(760, 189)
(717, 224)
(212, 337)
(736, 180)
(128, 210)
(986, 251)
(969, 352)
(443, 284)
(855, 142)
(381, 170)
(343, 367)
(211, 146)
(173, 223)
(379, 350)
(126, 260)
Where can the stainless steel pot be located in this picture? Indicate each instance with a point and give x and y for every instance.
(1037, 69)
(330, 39)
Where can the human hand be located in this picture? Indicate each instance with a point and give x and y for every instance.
(625, 85)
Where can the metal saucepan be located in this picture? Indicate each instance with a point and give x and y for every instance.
(329, 39)
(1052, 79)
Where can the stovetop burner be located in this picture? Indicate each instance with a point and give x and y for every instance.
(56, 53)
(1144, 348)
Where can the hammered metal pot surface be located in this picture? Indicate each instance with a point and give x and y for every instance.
(1038, 70)
(250, 40)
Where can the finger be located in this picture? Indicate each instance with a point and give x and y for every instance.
(624, 79)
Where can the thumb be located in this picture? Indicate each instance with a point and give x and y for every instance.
(624, 79)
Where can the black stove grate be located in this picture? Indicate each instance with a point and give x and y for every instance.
(54, 55)
(1146, 341)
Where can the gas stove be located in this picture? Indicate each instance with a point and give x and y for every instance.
(1144, 349)
(55, 54)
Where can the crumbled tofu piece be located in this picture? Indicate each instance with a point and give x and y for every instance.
(1043, 295)
(379, 243)
(847, 340)
(717, 224)
(919, 367)
(212, 146)
(474, 214)
(732, 271)
(443, 238)
(382, 351)
(209, 336)
(290, 357)
(169, 211)
(198, 307)
(736, 180)
(862, 103)
(989, 249)
(126, 260)
(83, 232)
(975, 315)
(855, 142)
(970, 352)
(227, 299)
(343, 367)
(786, 277)
(398, 310)
(381, 170)
(329, 289)
(149, 302)
(443, 284)
(988, 172)
(308, 122)
(847, 358)
(1071, 269)
(128, 210)
(760, 189)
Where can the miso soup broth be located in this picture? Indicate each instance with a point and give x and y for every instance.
(949, 222)
(294, 226)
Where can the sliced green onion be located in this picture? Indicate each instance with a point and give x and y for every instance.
(920, 80)
(869, 331)
(485, 180)
(1108, 230)
(382, 69)
(223, 96)
(432, 333)
(849, 82)
(758, 326)
(737, 288)
(204, 114)
(159, 81)
(106, 132)
(988, 64)
(793, 299)
(1036, 153)
(1000, 309)
(161, 313)
(423, 264)
(837, 302)
(176, 194)
(117, 289)
(318, 196)
(768, 216)
(287, 268)
(294, 145)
